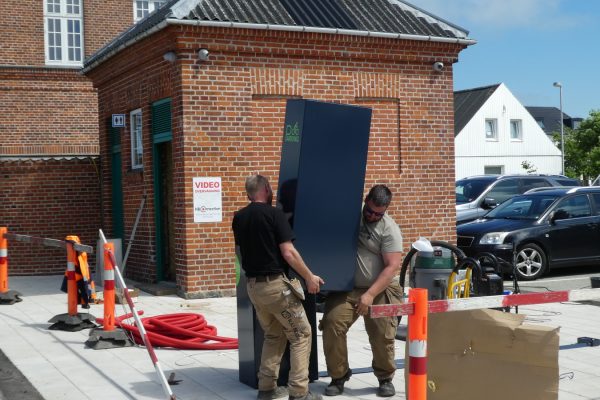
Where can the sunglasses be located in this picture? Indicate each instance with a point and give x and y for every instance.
(371, 212)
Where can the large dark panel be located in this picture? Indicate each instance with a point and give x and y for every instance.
(321, 181)
(322, 174)
(250, 335)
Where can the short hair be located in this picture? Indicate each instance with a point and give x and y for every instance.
(254, 183)
(380, 195)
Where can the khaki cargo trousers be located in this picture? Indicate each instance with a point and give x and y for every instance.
(282, 318)
(339, 316)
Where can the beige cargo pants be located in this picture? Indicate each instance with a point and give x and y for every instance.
(282, 318)
(339, 317)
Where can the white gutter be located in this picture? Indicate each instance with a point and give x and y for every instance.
(308, 29)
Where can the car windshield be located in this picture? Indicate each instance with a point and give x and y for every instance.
(469, 189)
(529, 207)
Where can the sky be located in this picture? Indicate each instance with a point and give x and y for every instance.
(528, 45)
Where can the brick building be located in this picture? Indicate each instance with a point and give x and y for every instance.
(49, 152)
(204, 88)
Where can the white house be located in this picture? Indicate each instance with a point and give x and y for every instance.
(495, 134)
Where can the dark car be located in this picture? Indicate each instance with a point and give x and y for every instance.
(476, 195)
(548, 228)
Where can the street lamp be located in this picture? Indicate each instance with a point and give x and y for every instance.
(562, 127)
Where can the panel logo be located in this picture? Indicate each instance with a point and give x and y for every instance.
(292, 133)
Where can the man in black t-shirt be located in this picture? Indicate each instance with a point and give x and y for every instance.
(263, 238)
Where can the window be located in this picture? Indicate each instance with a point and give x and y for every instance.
(63, 32)
(596, 197)
(532, 183)
(137, 147)
(574, 207)
(141, 8)
(504, 190)
(540, 122)
(491, 129)
(516, 133)
(493, 170)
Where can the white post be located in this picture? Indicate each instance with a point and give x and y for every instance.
(140, 325)
(562, 128)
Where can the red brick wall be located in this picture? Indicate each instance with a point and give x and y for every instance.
(49, 112)
(52, 199)
(22, 33)
(104, 20)
(229, 118)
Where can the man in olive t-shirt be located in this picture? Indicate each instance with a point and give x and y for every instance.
(375, 282)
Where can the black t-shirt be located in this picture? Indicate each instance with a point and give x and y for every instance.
(259, 229)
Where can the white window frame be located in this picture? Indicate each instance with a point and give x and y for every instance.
(67, 13)
(137, 139)
(151, 6)
(519, 129)
(494, 126)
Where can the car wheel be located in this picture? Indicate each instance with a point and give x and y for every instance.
(531, 262)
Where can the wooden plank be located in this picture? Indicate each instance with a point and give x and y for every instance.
(48, 242)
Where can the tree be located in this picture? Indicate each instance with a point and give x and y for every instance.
(530, 168)
(582, 148)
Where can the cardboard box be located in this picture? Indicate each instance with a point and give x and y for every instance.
(120, 298)
(491, 355)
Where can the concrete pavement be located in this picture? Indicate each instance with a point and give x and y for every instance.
(60, 367)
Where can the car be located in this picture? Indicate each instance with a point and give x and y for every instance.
(476, 195)
(540, 230)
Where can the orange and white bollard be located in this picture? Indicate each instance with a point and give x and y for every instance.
(72, 321)
(417, 345)
(108, 337)
(6, 296)
(109, 289)
(71, 280)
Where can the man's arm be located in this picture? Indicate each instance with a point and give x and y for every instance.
(392, 262)
(293, 258)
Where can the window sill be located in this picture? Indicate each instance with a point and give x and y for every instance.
(64, 66)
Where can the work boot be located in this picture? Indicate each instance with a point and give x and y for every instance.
(278, 393)
(307, 396)
(386, 388)
(336, 387)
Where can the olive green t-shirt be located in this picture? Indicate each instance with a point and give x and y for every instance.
(374, 239)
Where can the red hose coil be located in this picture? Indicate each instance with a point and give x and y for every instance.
(186, 331)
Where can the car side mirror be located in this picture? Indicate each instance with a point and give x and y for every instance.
(558, 214)
(488, 203)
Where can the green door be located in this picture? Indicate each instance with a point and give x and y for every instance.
(116, 179)
(162, 171)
